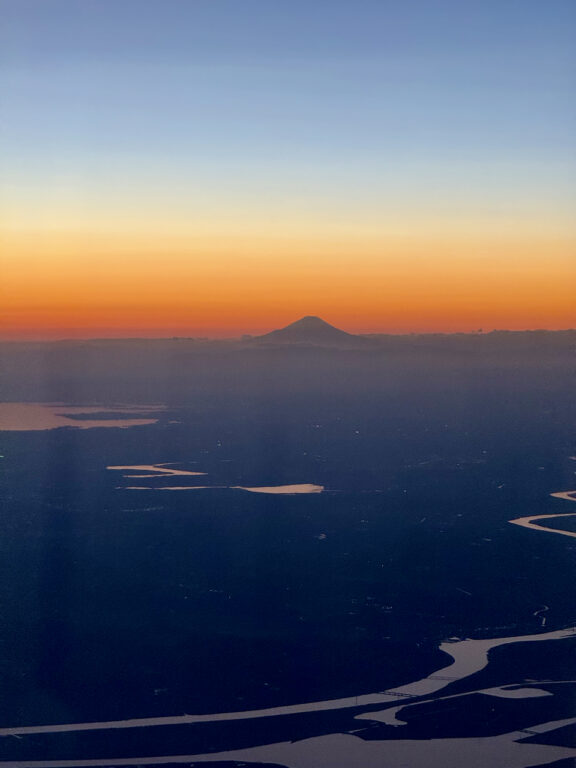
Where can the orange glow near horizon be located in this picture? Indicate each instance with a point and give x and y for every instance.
(207, 169)
(66, 284)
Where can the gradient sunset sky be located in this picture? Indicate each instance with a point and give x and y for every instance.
(217, 167)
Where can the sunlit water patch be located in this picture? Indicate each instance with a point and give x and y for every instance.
(287, 490)
(168, 488)
(283, 489)
(167, 469)
(516, 692)
(25, 417)
(532, 521)
(153, 470)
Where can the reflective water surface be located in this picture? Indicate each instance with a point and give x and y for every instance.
(23, 417)
(352, 564)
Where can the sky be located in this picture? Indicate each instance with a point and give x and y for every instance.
(218, 167)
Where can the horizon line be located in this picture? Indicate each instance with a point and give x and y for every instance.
(247, 336)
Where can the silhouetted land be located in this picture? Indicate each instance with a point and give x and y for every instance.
(119, 603)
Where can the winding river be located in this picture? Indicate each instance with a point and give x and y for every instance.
(469, 656)
(531, 520)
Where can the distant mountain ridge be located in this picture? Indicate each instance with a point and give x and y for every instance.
(310, 330)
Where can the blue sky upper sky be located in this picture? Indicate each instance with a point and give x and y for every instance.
(369, 88)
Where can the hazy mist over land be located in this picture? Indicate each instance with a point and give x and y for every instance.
(305, 354)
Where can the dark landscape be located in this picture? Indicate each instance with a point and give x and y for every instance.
(340, 509)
